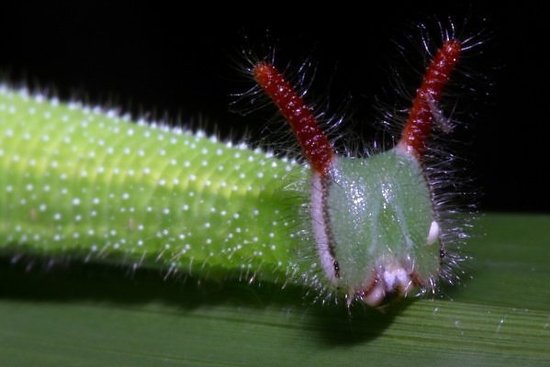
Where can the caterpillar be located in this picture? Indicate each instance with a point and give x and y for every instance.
(81, 182)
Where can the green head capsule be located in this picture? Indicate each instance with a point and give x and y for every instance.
(374, 226)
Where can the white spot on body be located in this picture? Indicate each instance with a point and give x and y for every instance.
(433, 233)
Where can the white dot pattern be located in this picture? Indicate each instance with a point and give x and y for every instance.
(82, 180)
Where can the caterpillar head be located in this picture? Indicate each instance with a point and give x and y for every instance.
(374, 226)
(372, 219)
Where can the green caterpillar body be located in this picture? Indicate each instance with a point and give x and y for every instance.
(86, 183)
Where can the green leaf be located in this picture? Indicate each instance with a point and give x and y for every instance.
(91, 315)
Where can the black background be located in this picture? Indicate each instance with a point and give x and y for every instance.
(152, 58)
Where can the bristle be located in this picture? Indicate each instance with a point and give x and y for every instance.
(312, 139)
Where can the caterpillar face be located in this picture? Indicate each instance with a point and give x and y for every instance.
(372, 219)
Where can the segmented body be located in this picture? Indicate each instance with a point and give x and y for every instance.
(81, 182)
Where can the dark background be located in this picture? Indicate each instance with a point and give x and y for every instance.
(156, 59)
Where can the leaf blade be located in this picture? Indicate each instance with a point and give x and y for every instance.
(499, 318)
